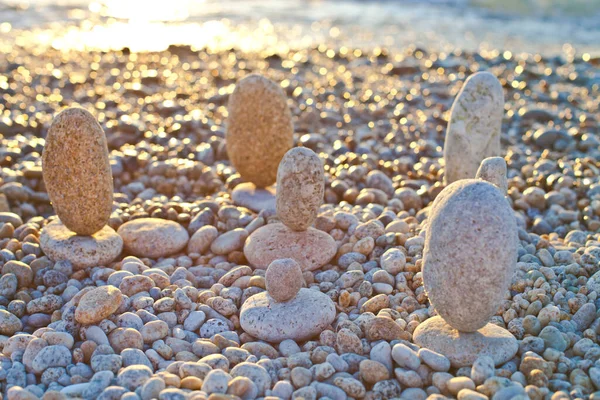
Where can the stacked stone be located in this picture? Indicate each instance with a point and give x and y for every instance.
(78, 178)
(299, 195)
(466, 272)
(286, 310)
(474, 127)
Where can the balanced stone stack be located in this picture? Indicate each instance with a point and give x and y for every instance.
(78, 178)
(474, 127)
(300, 193)
(285, 310)
(259, 132)
(466, 272)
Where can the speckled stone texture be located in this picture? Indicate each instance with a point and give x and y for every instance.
(311, 248)
(256, 199)
(153, 237)
(283, 279)
(463, 348)
(60, 243)
(474, 127)
(470, 253)
(259, 129)
(77, 172)
(299, 319)
(300, 188)
(493, 170)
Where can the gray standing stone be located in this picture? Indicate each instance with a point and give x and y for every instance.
(474, 127)
(468, 268)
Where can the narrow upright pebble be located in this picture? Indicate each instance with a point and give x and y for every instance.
(493, 170)
(300, 188)
(77, 171)
(474, 127)
(259, 129)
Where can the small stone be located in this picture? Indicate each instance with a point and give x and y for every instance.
(9, 323)
(229, 241)
(300, 318)
(435, 361)
(153, 237)
(133, 376)
(553, 338)
(373, 371)
(51, 356)
(493, 170)
(98, 304)
(20, 270)
(393, 261)
(77, 172)
(60, 244)
(283, 279)
(459, 383)
(463, 348)
(300, 188)
(311, 249)
(202, 239)
(405, 357)
(216, 382)
(259, 129)
(473, 132)
(125, 338)
(255, 373)
(483, 368)
(584, 317)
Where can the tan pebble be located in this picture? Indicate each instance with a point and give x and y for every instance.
(259, 129)
(98, 304)
(283, 279)
(373, 371)
(125, 338)
(153, 237)
(77, 171)
(22, 271)
(300, 187)
(375, 304)
(191, 382)
(201, 240)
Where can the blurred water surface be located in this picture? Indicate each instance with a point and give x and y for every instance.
(537, 26)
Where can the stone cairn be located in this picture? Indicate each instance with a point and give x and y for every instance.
(259, 132)
(474, 127)
(469, 259)
(78, 178)
(300, 187)
(286, 310)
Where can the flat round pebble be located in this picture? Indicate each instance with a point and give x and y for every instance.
(301, 318)
(153, 237)
(311, 248)
(101, 248)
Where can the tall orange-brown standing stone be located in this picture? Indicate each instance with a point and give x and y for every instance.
(259, 129)
(77, 171)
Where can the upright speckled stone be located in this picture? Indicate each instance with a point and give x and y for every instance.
(259, 129)
(493, 170)
(474, 127)
(300, 187)
(77, 171)
(470, 253)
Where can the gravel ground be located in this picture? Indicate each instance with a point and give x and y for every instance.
(168, 327)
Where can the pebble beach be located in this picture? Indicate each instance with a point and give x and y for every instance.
(137, 291)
